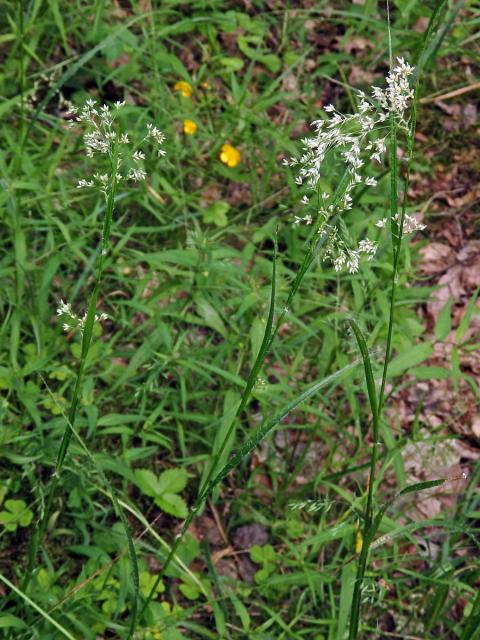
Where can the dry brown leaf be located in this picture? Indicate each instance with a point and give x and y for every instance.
(247, 535)
(360, 76)
(357, 43)
(436, 258)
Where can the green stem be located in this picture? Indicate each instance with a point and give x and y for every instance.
(86, 342)
(397, 236)
(19, 240)
(269, 336)
(396, 230)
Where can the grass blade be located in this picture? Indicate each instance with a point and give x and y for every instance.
(37, 608)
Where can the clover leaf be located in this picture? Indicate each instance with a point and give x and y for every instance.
(265, 556)
(164, 489)
(147, 582)
(16, 514)
(216, 213)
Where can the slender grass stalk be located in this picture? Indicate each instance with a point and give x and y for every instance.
(246, 448)
(86, 342)
(19, 240)
(117, 508)
(271, 330)
(397, 229)
(35, 606)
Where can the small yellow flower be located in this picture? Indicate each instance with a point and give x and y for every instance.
(184, 88)
(230, 155)
(189, 127)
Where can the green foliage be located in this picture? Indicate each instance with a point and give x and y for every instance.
(194, 296)
(164, 489)
(267, 558)
(217, 214)
(15, 514)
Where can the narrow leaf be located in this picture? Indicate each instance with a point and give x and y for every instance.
(367, 365)
(444, 321)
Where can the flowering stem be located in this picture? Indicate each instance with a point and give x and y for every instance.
(377, 404)
(397, 230)
(86, 342)
(270, 333)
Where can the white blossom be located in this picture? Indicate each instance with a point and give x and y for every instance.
(73, 321)
(356, 140)
(138, 155)
(410, 223)
(136, 174)
(104, 137)
(155, 134)
(85, 183)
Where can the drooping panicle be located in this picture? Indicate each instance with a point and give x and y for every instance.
(356, 140)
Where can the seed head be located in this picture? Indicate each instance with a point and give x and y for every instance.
(104, 136)
(355, 140)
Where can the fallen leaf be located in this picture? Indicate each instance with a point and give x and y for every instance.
(357, 43)
(436, 258)
(247, 535)
(360, 76)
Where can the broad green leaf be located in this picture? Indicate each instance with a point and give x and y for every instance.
(147, 481)
(232, 64)
(172, 481)
(170, 61)
(257, 331)
(44, 579)
(262, 555)
(147, 582)
(190, 591)
(272, 62)
(217, 213)
(8, 621)
(16, 513)
(173, 504)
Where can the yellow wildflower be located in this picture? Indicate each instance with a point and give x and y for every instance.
(189, 127)
(184, 88)
(230, 155)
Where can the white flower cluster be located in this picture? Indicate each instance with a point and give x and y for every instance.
(357, 139)
(74, 321)
(398, 92)
(103, 136)
(410, 223)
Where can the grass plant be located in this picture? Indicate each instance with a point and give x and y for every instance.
(216, 310)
